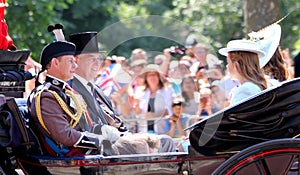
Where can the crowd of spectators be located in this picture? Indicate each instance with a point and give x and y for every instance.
(144, 96)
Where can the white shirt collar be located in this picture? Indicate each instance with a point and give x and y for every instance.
(84, 82)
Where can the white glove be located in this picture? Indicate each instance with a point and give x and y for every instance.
(110, 133)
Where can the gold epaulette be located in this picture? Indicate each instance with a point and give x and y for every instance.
(80, 107)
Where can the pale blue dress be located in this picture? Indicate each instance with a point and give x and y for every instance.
(244, 91)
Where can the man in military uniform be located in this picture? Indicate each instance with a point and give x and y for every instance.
(59, 112)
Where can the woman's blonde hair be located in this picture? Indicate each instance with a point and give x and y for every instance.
(249, 67)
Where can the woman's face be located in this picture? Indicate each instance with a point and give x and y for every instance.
(152, 79)
(231, 68)
(188, 85)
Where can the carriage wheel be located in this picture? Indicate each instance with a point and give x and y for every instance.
(280, 157)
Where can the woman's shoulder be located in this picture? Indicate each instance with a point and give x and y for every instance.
(250, 86)
(167, 89)
(273, 82)
(245, 90)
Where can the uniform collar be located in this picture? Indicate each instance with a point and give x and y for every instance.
(56, 81)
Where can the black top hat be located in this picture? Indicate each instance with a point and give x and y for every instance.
(56, 49)
(85, 42)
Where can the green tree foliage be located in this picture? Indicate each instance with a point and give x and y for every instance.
(28, 21)
(291, 26)
(217, 21)
(221, 21)
(117, 19)
(91, 15)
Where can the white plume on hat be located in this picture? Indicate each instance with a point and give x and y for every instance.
(268, 40)
(57, 30)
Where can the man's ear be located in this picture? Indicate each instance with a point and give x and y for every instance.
(76, 59)
(54, 62)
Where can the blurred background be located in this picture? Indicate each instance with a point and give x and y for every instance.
(219, 21)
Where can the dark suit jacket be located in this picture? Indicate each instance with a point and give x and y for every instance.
(94, 108)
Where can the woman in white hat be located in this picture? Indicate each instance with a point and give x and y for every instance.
(276, 69)
(155, 100)
(243, 66)
(273, 63)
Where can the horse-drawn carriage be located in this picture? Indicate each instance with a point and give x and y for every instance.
(256, 136)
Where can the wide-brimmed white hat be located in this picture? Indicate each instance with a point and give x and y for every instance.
(242, 45)
(115, 58)
(152, 68)
(138, 62)
(268, 40)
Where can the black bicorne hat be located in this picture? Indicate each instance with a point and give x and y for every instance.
(85, 42)
(56, 49)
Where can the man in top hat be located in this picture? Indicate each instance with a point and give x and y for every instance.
(57, 110)
(99, 105)
(88, 59)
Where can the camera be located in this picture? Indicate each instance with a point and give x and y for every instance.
(177, 51)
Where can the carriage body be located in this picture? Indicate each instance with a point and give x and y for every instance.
(142, 164)
(276, 157)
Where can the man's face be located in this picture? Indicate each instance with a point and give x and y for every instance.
(137, 69)
(88, 65)
(158, 61)
(64, 67)
(190, 51)
(200, 53)
(177, 109)
(183, 70)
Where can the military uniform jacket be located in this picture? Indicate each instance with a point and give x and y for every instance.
(54, 117)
